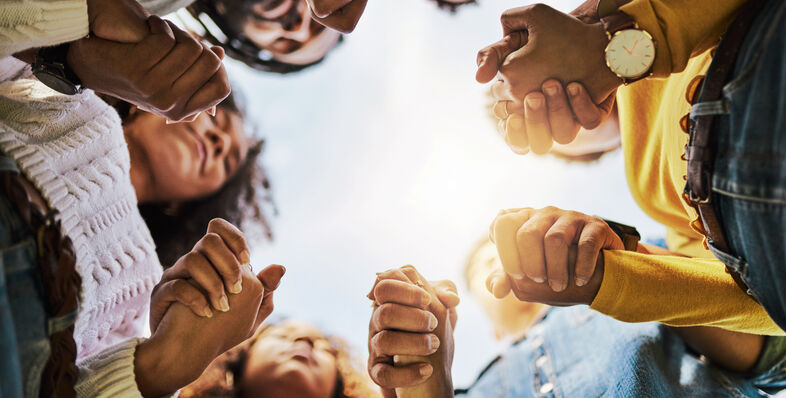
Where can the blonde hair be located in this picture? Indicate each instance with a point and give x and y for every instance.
(222, 378)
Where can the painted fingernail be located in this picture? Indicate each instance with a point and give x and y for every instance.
(534, 102)
(557, 286)
(573, 89)
(550, 90)
(425, 370)
(206, 312)
(223, 304)
(538, 279)
(237, 287)
(433, 342)
(581, 281)
(432, 322)
(212, 111)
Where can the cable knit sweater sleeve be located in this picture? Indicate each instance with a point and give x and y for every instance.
(110, 373)
(38, 23)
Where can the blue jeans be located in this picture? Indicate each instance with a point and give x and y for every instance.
(749, 181)
(24, 343)
(577, 352)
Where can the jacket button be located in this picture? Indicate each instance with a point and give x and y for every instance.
(546, 388)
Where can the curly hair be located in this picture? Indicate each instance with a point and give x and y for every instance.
(223, 378)
(241, 201)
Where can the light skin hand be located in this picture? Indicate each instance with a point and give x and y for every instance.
(535, 245)
(169, 72)
(169, 360)
(554, 114)
(410, 334)
(541, 43)
(205, 276)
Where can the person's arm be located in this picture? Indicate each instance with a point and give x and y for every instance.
(677, 291)
(681, 29)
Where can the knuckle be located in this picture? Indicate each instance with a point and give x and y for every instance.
(555, 239)
(385, 314)
(590, 242)
(211, 239)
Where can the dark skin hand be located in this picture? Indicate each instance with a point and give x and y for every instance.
(545, 111)
(169, 360)
(146, 61)
(340, 15)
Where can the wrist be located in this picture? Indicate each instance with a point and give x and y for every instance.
(593, 286)
(160, 369)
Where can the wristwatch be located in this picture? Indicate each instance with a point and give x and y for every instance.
(51, 68)
(629, 235)
(630, 53)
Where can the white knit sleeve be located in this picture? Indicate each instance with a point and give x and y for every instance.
(38, 23)
(109, 373)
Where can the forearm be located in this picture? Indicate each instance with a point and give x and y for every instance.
(734, 351)
(28, 23)
(677, 291)
(680, 28)
(187, 353)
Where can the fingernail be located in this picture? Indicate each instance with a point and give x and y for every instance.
(245, 256)
(538, 279)
(573, 90)
(534, 102)
(517, 277)
(425, 370)
(550, 90)
(170, 122)
(223, 304)
(581, 281)
(491, 285)
(207, 312)
(433, 342)
(432, 322)
(557, 286)
(212, 111)
(237, 287)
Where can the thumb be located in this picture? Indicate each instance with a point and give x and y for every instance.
(271, 276)
(490, 58)
(446, 293)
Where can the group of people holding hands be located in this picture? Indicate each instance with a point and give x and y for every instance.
(127, 173)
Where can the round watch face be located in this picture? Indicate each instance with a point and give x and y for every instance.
(630, 53)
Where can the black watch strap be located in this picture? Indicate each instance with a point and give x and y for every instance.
(629, 235)
(51, 68)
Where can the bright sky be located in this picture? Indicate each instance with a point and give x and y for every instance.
(385, 156)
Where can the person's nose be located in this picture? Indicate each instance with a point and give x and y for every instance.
(300, 28)
(220, 141)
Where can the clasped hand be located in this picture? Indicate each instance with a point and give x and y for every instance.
(214, 281)
(551, 256)
(148, 61)
(551, 74)
(411, 333)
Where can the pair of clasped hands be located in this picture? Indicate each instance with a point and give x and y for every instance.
(206, 303)
(148, 61)
(548, 255)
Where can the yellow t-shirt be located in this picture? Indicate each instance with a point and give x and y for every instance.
(677, 291)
